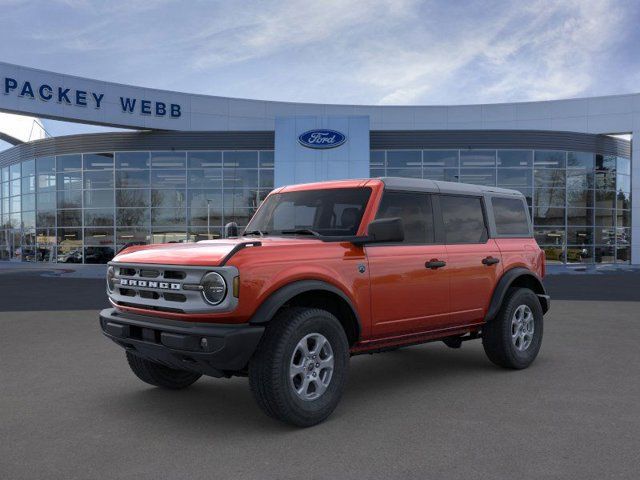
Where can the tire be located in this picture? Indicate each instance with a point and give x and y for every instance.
(159, 375)
(520, 350)
(281, 352)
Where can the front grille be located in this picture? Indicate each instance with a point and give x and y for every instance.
(162, 288)
(174, 275)
(147, 290)
(174, 297)
(148, 273)
(149, 294)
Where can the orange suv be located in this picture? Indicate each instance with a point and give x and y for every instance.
(328, 270)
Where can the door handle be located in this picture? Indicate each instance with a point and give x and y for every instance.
(490, 261)
(433, 264)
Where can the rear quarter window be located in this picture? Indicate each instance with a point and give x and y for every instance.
(511, 217)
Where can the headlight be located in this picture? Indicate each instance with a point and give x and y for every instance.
(111, 273)
(214, 288)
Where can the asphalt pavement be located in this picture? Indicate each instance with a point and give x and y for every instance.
(70, 408)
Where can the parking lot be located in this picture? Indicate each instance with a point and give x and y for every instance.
(70, 407)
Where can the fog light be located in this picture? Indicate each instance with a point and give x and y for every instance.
(214, 288)
(204, 343)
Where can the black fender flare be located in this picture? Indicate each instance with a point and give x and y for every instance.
(507, 280)
(277, 299)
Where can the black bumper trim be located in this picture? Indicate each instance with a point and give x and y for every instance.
(210, 349)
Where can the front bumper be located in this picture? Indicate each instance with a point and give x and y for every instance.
(210, 349)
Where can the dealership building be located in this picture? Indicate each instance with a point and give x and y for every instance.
(189, 164)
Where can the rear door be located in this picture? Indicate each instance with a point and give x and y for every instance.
(408, 295)
(474, 259)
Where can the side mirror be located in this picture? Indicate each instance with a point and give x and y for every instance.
(231, 230)
(383, 230)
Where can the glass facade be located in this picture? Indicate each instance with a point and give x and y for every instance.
(579, 202)
(82, 208)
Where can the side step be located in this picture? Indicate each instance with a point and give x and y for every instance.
(456, 342)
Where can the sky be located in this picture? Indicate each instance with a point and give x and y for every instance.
(386, 52)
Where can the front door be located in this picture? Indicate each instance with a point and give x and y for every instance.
(409, 284)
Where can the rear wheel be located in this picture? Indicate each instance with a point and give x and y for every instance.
(159, 375)
(300, 367)
(514, 337)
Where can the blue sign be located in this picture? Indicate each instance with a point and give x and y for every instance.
(322, 138)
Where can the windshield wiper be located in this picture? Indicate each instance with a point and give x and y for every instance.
(254, 232)
(300, 231)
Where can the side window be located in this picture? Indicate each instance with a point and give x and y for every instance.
(463, 219)
(415, 211)
(511, 216)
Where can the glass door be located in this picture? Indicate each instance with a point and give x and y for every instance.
(13, 247)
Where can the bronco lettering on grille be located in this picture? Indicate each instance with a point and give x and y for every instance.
(127, 282)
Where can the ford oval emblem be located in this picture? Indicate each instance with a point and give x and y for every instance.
(322, 138)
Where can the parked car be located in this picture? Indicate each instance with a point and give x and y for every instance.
(328, 270)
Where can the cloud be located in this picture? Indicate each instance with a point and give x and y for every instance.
(273, 27)
(337, 51)
(542, 52)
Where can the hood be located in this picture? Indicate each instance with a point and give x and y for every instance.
(205, 253)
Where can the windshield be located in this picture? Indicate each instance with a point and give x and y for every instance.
(326, 212)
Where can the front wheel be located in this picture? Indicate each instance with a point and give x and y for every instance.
(514, 337)
(300, 367)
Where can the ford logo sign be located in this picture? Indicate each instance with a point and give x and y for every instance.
(322, 138)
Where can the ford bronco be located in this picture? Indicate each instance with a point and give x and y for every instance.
(328, 270)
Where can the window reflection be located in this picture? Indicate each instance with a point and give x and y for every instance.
(132, 178)
(139, 236)
(132, 160)
(168, 216)
(204, 159)
(514, 177)
(240, 160)
(98, 216)
(549, 159)
(582, 160)
(168, 160)
(168, 198)
(97, 161)
(98, 179)
(404, 159)
(477, 158)
(515, 158)
(440, 158)
(66, 163)
(184, 196)
(132, 198)
(131, 217)
(478, 176)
